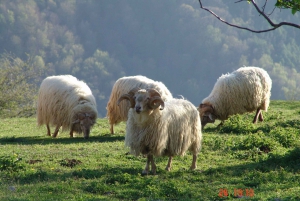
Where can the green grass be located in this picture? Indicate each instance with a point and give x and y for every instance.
(263, 159)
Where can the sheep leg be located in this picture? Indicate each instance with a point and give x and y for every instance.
(112, 129)
(72, 130)
(260, 117)
(48, 130)
(56, 131)
(146, 170)
(168, 168)
(194, 162)
(258, 112)
(153, 166)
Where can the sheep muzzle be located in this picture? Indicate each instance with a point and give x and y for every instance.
(138, 109)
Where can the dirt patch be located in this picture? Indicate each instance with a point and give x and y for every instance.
(69, 162)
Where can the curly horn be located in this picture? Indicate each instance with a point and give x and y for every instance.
(129, 96)
(153, 92)
(205, 108)
(132, 91)
(155, 99)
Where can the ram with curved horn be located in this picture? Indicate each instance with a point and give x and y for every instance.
(118, 113)
(161, 128)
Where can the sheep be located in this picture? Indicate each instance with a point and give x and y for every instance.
(63, 101)
(117, 114)
(244, 90)
(158, 128)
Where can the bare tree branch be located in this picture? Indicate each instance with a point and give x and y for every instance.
(261, 12)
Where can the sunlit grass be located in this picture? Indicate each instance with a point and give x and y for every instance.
(238, 157)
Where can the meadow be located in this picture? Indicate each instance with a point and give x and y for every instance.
(238, 161)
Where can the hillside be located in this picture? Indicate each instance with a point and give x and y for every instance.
(171, 41)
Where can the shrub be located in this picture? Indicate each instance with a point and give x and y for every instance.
(237, 124)
(11, 163)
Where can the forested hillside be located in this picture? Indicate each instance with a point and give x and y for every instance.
(172, 41)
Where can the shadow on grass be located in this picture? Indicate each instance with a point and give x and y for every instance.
(295, 123)
(50, 140)
(278, 169)
(112, 175)
(290, 162)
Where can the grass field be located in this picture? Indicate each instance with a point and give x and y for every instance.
(239, 161)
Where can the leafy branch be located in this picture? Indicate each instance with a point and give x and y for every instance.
(279, 4)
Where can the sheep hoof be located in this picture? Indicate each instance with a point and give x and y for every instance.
(168, 169)
(144, 173)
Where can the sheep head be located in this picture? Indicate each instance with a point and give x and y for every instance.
(143, 99)
(83, 123)
(207, 114)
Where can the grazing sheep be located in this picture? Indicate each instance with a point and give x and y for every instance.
(64, 101)
(244, 90)
(158, 128)
(117, 114)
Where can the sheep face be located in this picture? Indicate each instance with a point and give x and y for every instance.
(143, 99)
(206, 114)
(84, 123)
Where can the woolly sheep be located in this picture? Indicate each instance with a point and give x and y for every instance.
(158, 128)
(244, 90)
(64, 101)
(117, 114)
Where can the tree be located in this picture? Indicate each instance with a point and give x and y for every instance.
(294, 5)
(18, 84)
